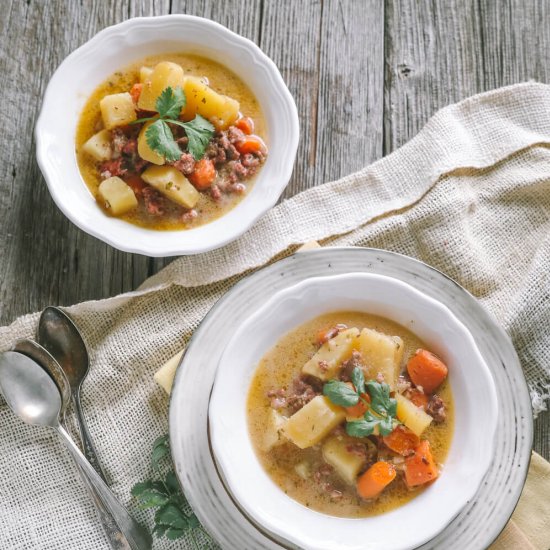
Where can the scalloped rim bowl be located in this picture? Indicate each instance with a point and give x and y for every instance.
(117, 47)
(472, 447)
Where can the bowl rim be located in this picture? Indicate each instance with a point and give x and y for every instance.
(195, 245)
(223, 462)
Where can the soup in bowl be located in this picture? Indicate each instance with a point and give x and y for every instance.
(347, 406)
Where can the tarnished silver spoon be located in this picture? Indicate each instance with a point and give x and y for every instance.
(33, 396)
(60, 336)
(40, 355)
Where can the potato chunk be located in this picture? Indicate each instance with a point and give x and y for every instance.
(313, 422)
(99, 146)
(346, 464)
(145, 74)
(220, 110)
(412, 416)
(382, 354)
(163, 75)
(117, 110)
(117, 196)
(144, 151)
(326, 363)
(172, 184)
(274, 430)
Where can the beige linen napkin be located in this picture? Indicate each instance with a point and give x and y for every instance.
(469, 195)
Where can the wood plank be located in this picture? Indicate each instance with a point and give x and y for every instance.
(291, 36)
(351, 101)
(441, 52)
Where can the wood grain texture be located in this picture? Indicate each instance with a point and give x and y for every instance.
(366, 76)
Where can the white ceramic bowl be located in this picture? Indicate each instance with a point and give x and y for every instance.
(472, 446)
(118, 46)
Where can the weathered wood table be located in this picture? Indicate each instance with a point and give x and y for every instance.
(366, 76)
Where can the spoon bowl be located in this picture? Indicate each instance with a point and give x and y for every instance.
(28, 390)
(42, 356)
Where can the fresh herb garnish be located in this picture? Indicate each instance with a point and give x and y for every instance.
(381, 410)
(159, 135)
(173, 517)
(340, 393)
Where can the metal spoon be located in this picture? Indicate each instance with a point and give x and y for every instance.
(33, 396)
(60, 336)
(40, 355)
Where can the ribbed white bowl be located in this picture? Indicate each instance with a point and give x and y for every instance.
(472, 447)
(120, 45)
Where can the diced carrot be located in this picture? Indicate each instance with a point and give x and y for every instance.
(420, 468)
(245, 124)
(251, 144)
(418, 398)
(426, 370)
(203, 175)
(360, 409)
(135, 92)
(375, 479)
(325, 334)
(402, 441)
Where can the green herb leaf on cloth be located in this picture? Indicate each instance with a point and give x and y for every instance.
(173, 517)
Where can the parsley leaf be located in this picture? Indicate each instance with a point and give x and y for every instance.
(361, 428)
(199, 131)
(174, 517)
(340, 393)
(170, 102)
(160, 138)
(380, 396)
(358, 380)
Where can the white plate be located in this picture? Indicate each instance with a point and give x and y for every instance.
(474, 394)
(120, 45)
(478, 523)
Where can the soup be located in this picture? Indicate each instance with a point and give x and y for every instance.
(172, 142)
(351, 415)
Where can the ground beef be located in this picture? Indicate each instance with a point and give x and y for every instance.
(186, 164)
(356, 360)
(130, 148)
(302, 392)
(118, 141)
(111, 168)
(436, 408)
(154, 201)
(403, 385)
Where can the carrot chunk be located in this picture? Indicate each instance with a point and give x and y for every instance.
(375, 479)
(426, 370)
(418, 398)
(245, 124)
(203, 175)
(135, 92)
(360, 409)
(402, 441)
(420, 468)
(251, 144)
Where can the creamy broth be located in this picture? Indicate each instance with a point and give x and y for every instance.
(278, 368)
(221, 79)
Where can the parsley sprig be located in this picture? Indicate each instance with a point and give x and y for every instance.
(159, 135)
(173, 517)
(381, 410)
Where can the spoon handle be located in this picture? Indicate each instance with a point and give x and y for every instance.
(86, 438)
(114, 534)
(138, 538)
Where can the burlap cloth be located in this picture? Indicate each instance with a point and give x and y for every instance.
(470, 195)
